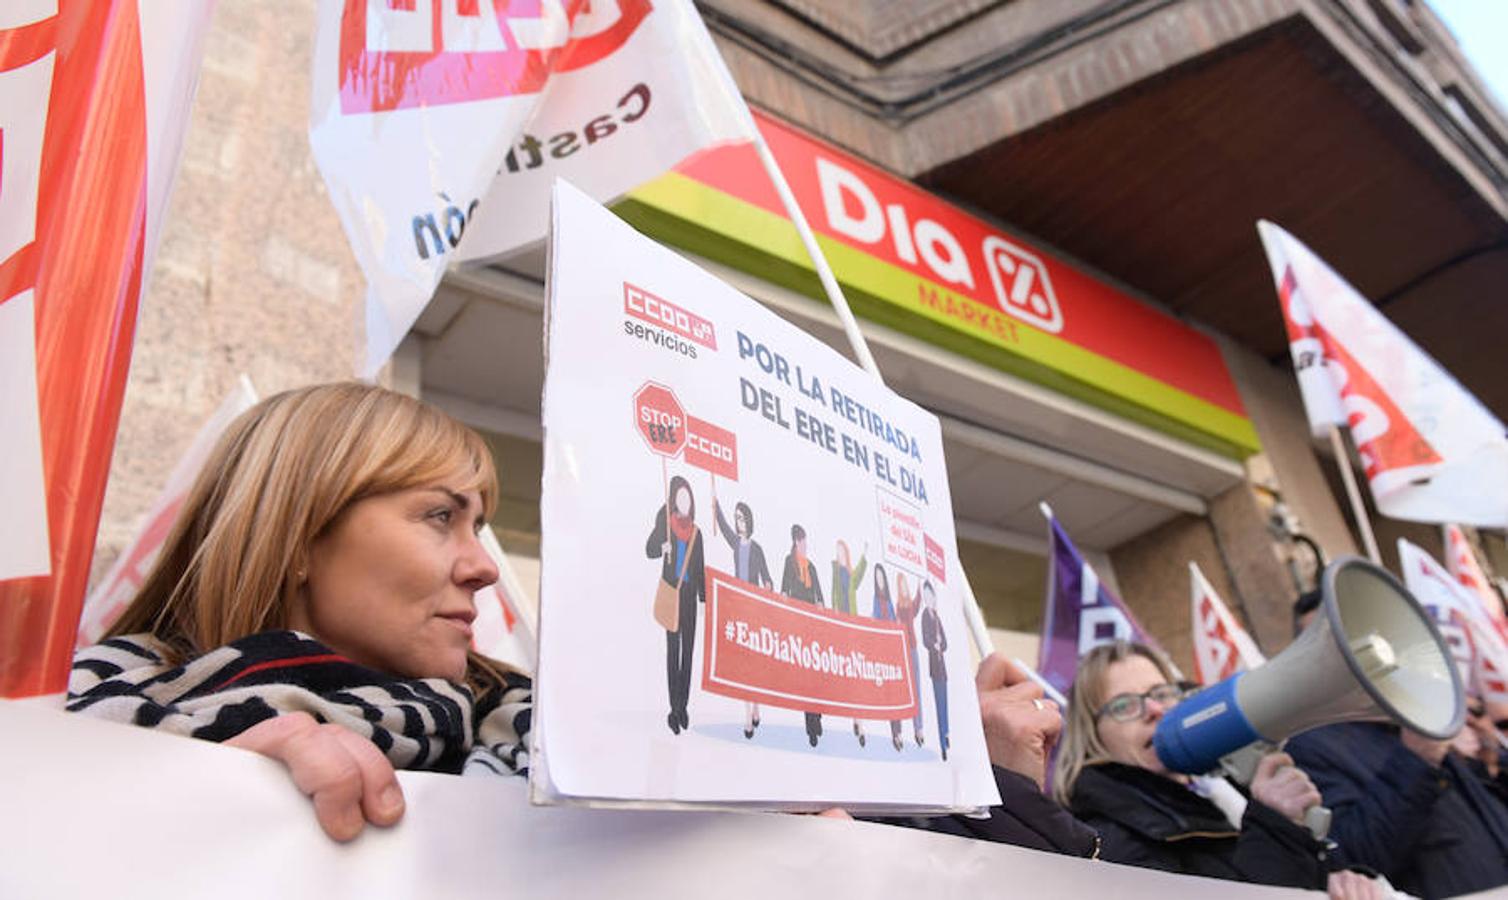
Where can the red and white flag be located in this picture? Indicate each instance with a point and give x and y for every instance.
(1479, 650)
(1462, 563)
(1432, 452)
(94, 102)
(1490, 672)
(1221, 646)
(501, 630)
(111, 596)
(435, 120)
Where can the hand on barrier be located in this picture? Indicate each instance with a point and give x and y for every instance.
(1020, 727)
(1281, 786)
(347, 777)
(1347, 885)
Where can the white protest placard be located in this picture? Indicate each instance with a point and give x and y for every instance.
(720, 604)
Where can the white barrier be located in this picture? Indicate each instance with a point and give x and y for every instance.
(94, 809)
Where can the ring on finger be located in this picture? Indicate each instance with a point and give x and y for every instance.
(1037, 702)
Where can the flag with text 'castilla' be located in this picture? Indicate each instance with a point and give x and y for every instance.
(1480, 653)
(1432, 452)
(1222, 647)
(435, 121)
(1081, 613)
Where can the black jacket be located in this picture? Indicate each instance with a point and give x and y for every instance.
(694, 580)
(936, 642)
(1024, 818)
(1145, 819)
(1432, 832)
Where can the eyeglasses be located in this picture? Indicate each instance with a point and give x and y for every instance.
(1128, 707)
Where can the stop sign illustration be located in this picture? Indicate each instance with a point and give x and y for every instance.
(660, 419)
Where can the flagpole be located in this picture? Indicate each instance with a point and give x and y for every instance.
(1359, 509)
(972, 614)
(824, 271)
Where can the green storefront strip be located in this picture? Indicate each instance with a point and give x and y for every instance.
(685, 213)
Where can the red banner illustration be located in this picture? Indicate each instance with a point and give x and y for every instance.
(769, 649)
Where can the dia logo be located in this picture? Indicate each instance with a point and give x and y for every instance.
(1021, 284)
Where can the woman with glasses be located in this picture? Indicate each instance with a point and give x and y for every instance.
(1109, 776)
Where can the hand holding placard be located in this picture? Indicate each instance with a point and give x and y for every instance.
(1020, 727)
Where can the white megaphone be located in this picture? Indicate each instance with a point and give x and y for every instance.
(1371, 654)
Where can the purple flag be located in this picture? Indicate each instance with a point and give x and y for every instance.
(1081, 613)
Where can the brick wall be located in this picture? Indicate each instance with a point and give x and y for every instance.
(253, 273)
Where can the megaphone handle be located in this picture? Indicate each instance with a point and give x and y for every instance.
(1317, 820)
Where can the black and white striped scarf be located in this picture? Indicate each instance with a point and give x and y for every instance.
(429, 723)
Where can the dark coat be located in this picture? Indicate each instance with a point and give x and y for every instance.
(936, 642)
(1145, 819)
(791, 586)
(1432, 832)
(1024, 818)
(694, 585)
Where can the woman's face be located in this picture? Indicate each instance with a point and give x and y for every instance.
(843, 554)
(390, 583)
(682, 502)
(1131, 742)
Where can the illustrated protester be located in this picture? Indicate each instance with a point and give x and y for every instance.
(936, 642)
(799, 582)
(845, 584)
(908, 606)
(676, 540)
(748, 565)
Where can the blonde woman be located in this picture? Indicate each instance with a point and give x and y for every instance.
(313, 603)
(1109, 776)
